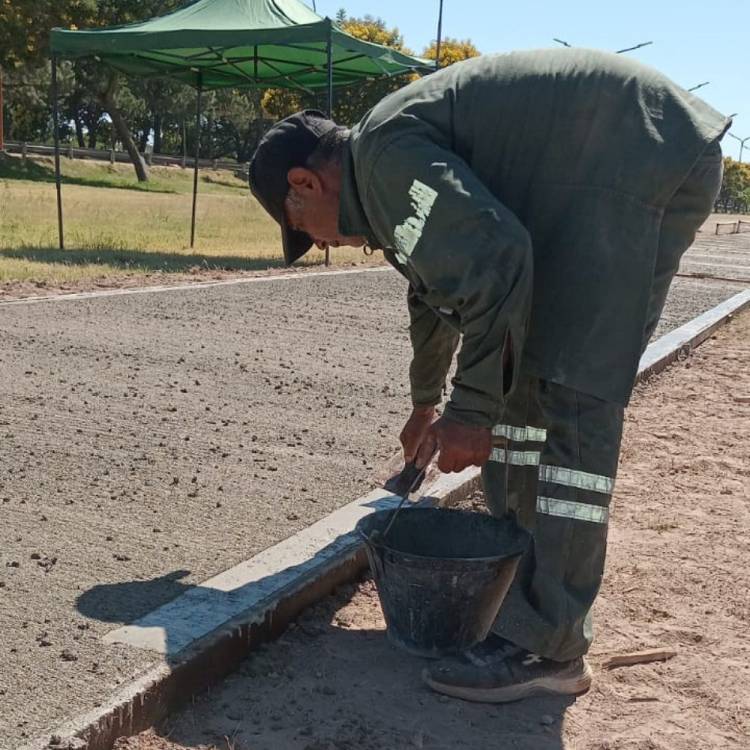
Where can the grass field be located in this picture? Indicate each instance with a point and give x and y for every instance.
(115, 226)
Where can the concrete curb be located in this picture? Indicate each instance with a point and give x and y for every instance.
(191, 286)
(207, 631)
(682, 340)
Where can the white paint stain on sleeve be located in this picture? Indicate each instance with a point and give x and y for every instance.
(407, 234)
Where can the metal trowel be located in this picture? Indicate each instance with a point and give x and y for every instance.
(408, 480)
(389, 473)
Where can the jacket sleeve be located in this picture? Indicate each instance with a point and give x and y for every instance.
(433, 342)
(467, 256)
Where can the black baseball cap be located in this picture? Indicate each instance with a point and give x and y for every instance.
(287, 144)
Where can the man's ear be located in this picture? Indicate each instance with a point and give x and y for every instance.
(304, 180)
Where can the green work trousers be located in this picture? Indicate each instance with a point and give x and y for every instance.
(554, 461)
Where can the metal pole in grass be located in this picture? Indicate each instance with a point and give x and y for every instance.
(329, 61)
(2, 136)
(56, 132)
(197, 156)
(329, 67)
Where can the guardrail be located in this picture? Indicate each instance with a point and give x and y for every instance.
(735, 226)
(112, 156)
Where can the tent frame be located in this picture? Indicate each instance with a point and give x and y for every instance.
(198, 112)
(220, 58)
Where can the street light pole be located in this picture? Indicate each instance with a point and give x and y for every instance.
(439, 36)
(630, 49)
(742, 143)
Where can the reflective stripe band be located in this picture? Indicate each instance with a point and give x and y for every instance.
(520, 434)
(580, 479)
(517, 458)
(569, 509)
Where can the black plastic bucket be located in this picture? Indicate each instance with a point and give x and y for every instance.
(441, 575)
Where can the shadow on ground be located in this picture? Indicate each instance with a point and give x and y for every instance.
(127, 601)
(332, 682)
(129, 259)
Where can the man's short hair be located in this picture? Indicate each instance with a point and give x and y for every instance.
(330, 147)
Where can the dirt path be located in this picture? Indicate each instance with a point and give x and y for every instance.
(676, 578)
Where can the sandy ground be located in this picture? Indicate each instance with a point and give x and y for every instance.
(150, 441)
(676, 578)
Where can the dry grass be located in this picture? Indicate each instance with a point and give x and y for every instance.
(114, 227)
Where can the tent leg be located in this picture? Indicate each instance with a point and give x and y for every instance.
(56, 132)
(329, 55)
(2, 136)
(197, 156)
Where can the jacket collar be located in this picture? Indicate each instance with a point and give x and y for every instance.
(352, 218)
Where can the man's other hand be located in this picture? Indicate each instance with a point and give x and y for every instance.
(415, 429)
(459, 445)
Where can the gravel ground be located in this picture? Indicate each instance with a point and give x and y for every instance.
(723, 256)
(150, 441)
(675, 580)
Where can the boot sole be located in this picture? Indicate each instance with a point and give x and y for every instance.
(573, 685)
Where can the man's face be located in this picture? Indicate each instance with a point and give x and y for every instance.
(312, 206)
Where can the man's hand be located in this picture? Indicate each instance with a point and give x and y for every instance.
(415, 429)
(459, 445)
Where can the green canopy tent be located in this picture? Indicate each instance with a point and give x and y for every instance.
(212, 44)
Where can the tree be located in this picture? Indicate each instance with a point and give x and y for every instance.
(27, 107)
(24, 43)
(734, 195)
(113, 13)
(279, 103)
(451, 51)
(108, 99)
(25, 27)
(24, 52)
(356, 100)
(237, 123)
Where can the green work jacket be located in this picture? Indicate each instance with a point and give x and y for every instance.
(521, 195)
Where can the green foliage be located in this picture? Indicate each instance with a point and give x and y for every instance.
(451, 51)
(25, 27)
(734, 195)
(104, 175)
(352, 103)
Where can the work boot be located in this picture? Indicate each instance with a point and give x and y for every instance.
(498, 671)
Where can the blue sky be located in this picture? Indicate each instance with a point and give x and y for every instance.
(693, 41)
